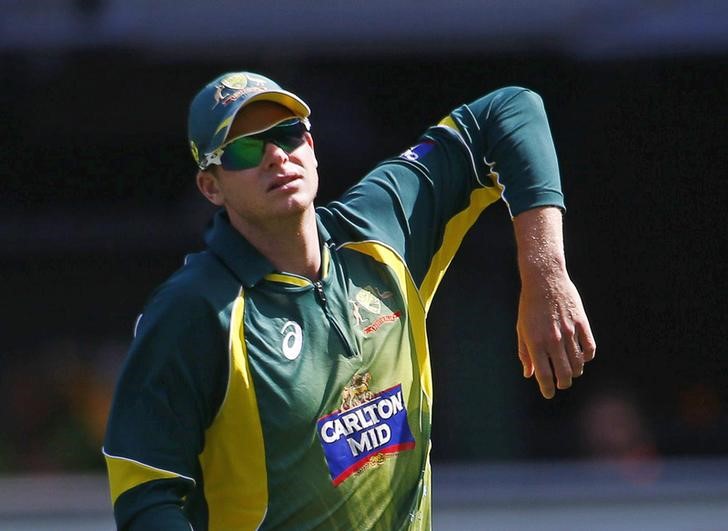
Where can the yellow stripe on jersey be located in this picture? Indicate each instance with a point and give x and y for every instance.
(449, 122)
(233, 462)
(415, 307)
(125, 474)
(455, 230)
(325, 261)
(288, 279)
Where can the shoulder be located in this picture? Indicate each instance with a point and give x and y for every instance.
(501, 103)
(200, 291)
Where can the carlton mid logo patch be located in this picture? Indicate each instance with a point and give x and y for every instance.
(366, 429)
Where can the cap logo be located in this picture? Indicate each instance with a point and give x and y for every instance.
(234, 86)
(235, 81)
(195, 152)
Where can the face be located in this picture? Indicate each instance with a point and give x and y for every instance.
(282, 187)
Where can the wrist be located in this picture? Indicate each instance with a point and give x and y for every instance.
(539, 267)
(540, 244)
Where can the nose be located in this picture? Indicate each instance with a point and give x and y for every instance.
(274, 155)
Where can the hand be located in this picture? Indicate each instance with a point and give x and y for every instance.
(554, 336)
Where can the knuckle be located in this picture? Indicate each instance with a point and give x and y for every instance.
(555, 335)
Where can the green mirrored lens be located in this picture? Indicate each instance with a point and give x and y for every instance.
(243, 153)
(247, 152)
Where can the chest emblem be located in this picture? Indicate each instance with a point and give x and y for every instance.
(366, 309)
(292, 340)
(366, 429)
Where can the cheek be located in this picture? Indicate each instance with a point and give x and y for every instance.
(313, 172)
(307, 155)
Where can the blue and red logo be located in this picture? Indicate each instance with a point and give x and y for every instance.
(351, 438)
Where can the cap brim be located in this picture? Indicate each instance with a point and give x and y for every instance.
(289, 100)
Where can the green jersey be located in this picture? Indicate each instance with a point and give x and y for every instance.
(258, 399)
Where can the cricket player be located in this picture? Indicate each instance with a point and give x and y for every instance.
(281, 378)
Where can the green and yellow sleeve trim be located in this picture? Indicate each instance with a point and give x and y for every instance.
(125, 474)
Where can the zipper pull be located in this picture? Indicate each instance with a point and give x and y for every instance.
(349, 350)
(320, 292)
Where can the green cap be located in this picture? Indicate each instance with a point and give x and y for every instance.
(213, 110)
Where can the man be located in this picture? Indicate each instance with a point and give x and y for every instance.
(281, 378)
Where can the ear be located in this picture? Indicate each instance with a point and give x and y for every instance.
(208, 186)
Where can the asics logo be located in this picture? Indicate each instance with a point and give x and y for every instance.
(292, 340)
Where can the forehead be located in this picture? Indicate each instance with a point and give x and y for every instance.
(258, 116)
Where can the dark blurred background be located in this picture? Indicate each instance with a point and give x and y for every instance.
(98, 204)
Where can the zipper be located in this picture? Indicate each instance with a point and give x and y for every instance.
(349, 351)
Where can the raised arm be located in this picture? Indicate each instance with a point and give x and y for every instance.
(554, 336)
(498, 146)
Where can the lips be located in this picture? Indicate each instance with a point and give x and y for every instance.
(281, 180)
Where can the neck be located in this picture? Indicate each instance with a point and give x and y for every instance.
(291, 245)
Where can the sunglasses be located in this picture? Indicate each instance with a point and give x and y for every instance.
(246, 152)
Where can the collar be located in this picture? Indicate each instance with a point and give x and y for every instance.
(239, 255)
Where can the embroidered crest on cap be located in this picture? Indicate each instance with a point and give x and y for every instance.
(234, 86)
(235, 81)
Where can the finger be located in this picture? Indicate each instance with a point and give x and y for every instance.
(586, 341)
(561, 366)
(544, 374)
(574, 354)
(525, 358)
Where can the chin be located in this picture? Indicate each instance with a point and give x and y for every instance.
(295, 206)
